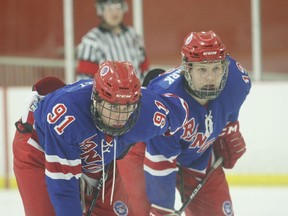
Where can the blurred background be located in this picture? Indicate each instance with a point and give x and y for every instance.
(36, 29)
(39, 38)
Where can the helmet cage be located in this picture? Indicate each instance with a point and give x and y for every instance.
(100, 4)
(98, 107)
(207, 93)
(203, 47)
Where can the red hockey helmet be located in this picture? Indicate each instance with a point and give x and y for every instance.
(204, 48)
(115, 84)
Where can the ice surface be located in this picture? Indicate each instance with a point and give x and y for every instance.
(247, 201)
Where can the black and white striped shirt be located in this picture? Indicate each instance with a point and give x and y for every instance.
(100, 44)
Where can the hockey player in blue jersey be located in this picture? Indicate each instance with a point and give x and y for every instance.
(81, 128)
(215, 86)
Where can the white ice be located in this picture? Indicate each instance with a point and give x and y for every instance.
(247, 201)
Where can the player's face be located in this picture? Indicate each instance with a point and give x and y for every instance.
(113, 14)
(115, 115)
(206, 76)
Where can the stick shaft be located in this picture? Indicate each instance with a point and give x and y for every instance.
(97, 191)
(200, 185)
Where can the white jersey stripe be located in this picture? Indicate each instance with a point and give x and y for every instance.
(159, 158)
(66, 176)
(57, 159)
(164, 172)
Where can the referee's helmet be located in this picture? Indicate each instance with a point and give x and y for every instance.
(114, 3)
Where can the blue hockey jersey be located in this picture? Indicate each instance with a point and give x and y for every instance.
(191, 146)
(73, 145)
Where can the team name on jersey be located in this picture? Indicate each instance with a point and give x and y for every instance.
(172, 77)
(197, 139)
(90, 157)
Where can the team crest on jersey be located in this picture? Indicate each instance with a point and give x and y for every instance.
(227, 208)
(120, 208)
(33, 106)
(104, 71)
(208, 124)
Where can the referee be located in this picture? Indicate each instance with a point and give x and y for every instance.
(111, 40)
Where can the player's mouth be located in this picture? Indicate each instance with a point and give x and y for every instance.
(208, 88)
(118, 125)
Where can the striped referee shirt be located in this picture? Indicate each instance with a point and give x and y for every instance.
(100, 44)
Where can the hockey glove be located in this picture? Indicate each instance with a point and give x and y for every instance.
(230, 145)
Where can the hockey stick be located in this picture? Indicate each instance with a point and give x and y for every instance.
(97, 191)
(199, 186)
(100, 182)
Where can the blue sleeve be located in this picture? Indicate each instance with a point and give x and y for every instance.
(159, 114)
(238, 83)
(65, 196)
(237, 88)
(161, 169)
(62, 156)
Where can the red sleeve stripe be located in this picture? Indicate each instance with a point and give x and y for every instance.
(159, 158)
(164, 172)
(58, 168)
(158, 165)
(63, 176)
(57, 159)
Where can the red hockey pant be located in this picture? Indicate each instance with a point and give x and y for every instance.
(29, 170)
(211, 199)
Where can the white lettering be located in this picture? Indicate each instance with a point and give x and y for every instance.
(123, 96)
(172, 77)
(210, 53)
